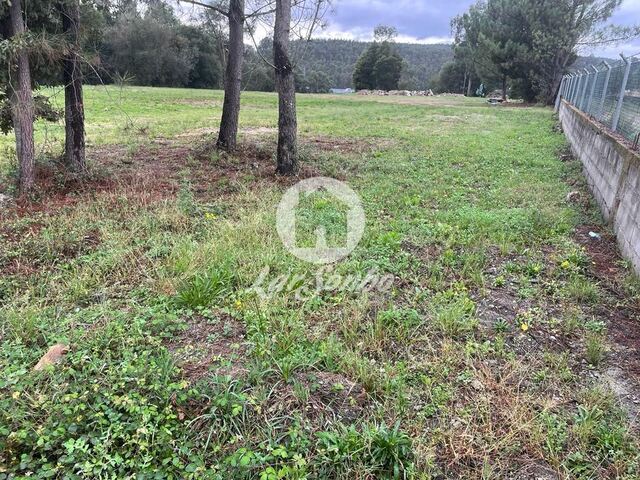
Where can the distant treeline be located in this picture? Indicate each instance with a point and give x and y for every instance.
(337, 59)
(154, 47)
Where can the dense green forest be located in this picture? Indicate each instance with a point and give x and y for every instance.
(153, 47)
(337, 59)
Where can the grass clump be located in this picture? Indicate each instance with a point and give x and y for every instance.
(454, 313)
(376, 450)
(595, 348)
(206, 289)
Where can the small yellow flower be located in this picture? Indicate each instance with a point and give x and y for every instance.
(565, 264)
(210, 216)
(524, 326)
(16, 395)
(238, 304)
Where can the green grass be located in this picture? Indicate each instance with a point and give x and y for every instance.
(176, 370)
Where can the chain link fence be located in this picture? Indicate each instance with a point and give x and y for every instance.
(610, 93)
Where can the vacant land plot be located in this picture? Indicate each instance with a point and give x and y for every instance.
(507, 346)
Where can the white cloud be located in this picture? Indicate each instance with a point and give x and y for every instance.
(366, 35)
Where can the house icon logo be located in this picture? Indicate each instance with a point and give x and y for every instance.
(321, 253)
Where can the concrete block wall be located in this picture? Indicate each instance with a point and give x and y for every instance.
(613, 174)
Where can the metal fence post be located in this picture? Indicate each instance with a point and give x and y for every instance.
(583, 94)
(623, 89)
(604, 91)
(579, 90)
(560, 93)
(574, 85)
(593, 89)
(570, 89)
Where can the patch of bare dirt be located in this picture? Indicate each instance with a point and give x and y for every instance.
(340, 144)
(600, 245)
(621, 314)
(199, 102)
(534, 470)
(258, 131)
(624, 331)
(426, 253)
(27, 262)
(56, 189)
(155, 171)
(328, 397)
(197, 132)
(209, 346)
(627, 391)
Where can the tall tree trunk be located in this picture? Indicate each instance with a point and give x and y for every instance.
(560, 67)
(73, 104)
(22, 109)
(233, 78)
(285, 85)
(552, 90)
(469, 87)
(504, 88)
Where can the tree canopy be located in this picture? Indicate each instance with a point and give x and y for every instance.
(530, 44)
(380, 65)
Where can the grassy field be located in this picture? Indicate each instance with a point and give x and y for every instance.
(504, 348)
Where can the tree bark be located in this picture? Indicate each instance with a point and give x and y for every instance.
(504, 88)
(227, 137)
(559, 70)
(22, 109)
(469, 87)
(285, 85)
(73, 104)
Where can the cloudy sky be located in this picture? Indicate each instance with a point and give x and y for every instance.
(427, 21)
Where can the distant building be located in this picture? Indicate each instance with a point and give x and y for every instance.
(341, 91)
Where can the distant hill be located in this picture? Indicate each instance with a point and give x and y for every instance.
(337, 59)
(584, 62)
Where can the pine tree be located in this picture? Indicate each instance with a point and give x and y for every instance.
(363, 74)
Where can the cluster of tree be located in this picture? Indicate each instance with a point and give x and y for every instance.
(337, 60)
(380, 66)
(43, 44)
(526, 45)
(50, 52)
(151, 46)
(259, 75)
(146, 43)
(322, 64)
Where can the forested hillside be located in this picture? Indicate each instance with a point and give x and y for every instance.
(337, 58)
(584, 62)
(153, 47)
